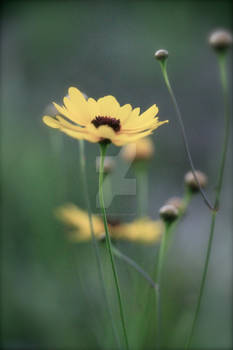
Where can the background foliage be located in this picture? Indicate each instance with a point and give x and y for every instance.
(50, 293)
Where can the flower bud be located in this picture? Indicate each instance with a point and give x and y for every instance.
(109, 165)
(161, 55)
(142, 149)
(220, 39)
(177, 202)
(191, 182)
(168, 213)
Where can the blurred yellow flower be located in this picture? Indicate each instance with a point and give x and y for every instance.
(102, 120)
(79, 221)
(143, 149)
(142, 230)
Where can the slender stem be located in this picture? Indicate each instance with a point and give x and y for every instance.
(132, 263)
(103, 148)
(180, 120)
(222, 67)
(202, 281)
(158, 282)
(170, 231)
(95, 245)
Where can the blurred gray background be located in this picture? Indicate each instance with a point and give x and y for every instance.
(50, 292)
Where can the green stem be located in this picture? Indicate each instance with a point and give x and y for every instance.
(103, 148)
(202, 281)
(170, 231)
(132, 263)
(180, 120)
(95, 245)
(222, 67)
(158, 282)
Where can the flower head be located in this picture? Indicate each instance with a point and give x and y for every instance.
(141, 230)
(220, 39)
(191, 182)
(102, 120)
(176, 202)
(161, 55)
(169, 213)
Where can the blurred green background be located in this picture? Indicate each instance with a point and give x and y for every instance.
(50, 293)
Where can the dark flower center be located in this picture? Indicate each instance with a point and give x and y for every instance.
(112, 122)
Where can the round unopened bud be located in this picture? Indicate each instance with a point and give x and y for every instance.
(220, 39)
(191, 182)
(109, 165)
(142, 149)
(168, 213)
(161, 55)
(177, 202)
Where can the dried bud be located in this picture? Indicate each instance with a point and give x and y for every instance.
(161, 55)
(142, 149)
(109, 165)
(191, 182)
(220, 39)
(168, 213)
(177, 202)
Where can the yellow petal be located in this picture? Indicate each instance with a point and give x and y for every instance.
(108, 106)
(60, 123)
(102, 132)
(49, 121)
(67, 124)
(75, 134)
(76, 95)
(81, 135)
(124, 112)
(68, 114)
(63, 111)
(91, 138)
(132, 118)
(70, 129)
(123, 139)
(78, 110)
(149, 113)
(93, 108)
(153, 124)
(144, 118)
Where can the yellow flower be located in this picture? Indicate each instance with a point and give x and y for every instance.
(102, 120)
(142, 230)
